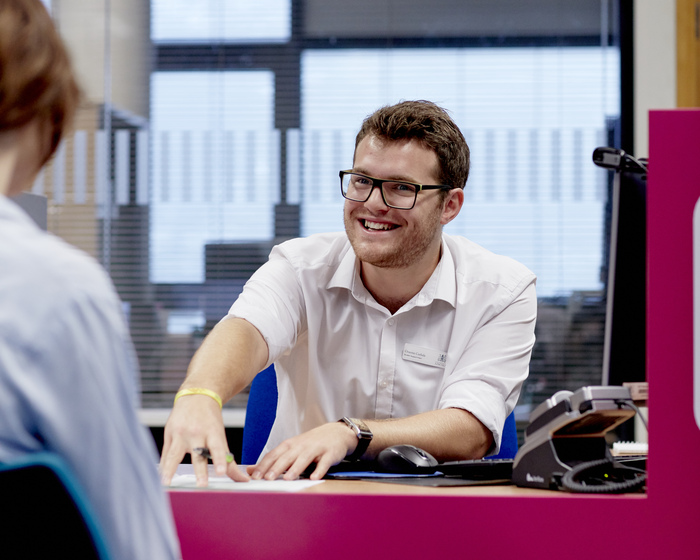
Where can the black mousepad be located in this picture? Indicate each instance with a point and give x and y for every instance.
(435, 481)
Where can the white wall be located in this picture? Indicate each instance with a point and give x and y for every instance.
(82, 25)
(654, 65)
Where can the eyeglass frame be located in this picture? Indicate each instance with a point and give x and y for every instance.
(378, 183)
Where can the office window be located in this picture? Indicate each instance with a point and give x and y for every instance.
(214, 155)
(205, 21)
(212, 130)
(532, 118)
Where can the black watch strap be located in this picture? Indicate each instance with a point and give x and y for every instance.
(364, 437)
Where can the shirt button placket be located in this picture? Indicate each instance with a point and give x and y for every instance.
(387, 367)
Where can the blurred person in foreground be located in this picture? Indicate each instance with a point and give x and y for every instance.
(68, 372)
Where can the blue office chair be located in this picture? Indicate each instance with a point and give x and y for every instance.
(262, 407)
(509, 440)
(46, 511)
(259, 415)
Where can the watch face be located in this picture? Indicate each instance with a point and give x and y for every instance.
(350, 424)
(361, 431)
(363, 427)
(364, 436)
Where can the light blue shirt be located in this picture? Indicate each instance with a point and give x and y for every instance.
(67, 384)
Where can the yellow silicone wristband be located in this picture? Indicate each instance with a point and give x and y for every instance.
(199, 391)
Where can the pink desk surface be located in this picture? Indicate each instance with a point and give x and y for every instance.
(371, 520)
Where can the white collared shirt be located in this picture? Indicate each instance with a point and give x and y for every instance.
(464, 341)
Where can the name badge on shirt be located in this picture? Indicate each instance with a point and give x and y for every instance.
(426, 356)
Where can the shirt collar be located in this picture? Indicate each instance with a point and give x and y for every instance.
(445, 276)
(348, 268)
(442, 284)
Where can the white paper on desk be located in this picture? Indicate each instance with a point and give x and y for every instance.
(225, 483)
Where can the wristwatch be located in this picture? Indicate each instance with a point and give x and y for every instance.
(364, 436)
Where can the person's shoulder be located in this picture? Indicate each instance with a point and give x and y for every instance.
(321, 249)
(43, 275)
(474, 263)
(65, 269)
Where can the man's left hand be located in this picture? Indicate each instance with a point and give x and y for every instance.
(326, 445)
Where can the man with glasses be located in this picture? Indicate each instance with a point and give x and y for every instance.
(391, 332)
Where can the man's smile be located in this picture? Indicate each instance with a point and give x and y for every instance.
(377, 226)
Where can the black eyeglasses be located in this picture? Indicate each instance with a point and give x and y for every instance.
(401, 195)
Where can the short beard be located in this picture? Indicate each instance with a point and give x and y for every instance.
(407, 253)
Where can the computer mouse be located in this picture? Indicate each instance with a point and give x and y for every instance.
(406, 459)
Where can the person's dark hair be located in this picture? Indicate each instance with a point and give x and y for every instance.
(36, 78)
(432, 126)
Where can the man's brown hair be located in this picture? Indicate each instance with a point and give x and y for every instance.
(432, 126)
(36, 79)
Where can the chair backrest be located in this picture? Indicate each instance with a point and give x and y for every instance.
(509, 440)
(259, 415)
(46, 511)
(262, 407)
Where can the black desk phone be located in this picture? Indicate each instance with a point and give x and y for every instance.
(565, 446)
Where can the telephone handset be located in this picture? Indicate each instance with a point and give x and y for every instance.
(565, 445)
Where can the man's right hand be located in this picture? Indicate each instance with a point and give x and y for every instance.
(196, 421)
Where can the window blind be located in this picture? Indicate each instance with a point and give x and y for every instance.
(212, 130)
